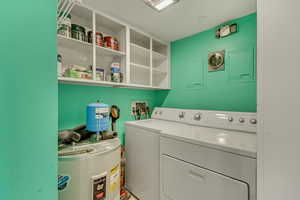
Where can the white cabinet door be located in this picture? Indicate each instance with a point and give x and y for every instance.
(184, 181)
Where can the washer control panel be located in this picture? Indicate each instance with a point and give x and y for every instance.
(242, 121)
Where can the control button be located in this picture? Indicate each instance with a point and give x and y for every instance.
(181, 115)
(230, 119)
(160, 112)
(156, 112)
(241, 120)
(253, 121)
(197, 117)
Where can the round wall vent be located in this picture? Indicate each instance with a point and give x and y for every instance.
(216, 61)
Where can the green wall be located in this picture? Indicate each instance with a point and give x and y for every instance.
(73, 100)
(28, 102)
(233, 89)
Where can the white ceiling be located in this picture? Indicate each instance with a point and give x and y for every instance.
(183, 19)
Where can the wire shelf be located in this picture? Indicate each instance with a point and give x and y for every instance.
(64, 8)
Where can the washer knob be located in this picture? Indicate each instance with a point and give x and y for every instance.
(197, 117)
(230, 119)
(253, 121)
(181, 115)
(241, 120)
(160, 112)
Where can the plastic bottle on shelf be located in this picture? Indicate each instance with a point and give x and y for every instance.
(115, 72)
(59, 65)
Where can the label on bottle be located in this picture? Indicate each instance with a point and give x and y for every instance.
(101, 113)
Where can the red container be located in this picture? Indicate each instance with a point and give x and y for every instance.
(99, 39)
(116, 44)
(111, 43)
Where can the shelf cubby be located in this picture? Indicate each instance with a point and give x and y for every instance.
(139, 75)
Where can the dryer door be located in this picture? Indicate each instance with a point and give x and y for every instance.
(181, 181)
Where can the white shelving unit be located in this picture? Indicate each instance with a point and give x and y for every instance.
(160, 64)
(144, 60)
(149, 61)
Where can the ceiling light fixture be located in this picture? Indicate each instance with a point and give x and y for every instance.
(160, 5)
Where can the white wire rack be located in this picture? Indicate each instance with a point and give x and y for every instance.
(64, 8)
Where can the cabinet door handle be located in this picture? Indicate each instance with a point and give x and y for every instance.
(197, 176)
(197, 83)
(244, 74)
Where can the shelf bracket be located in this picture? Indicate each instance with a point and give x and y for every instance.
(64, 8)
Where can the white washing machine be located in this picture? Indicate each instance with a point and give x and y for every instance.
(188, 154)
(90, 171)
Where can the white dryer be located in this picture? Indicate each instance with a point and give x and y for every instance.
(195, 153)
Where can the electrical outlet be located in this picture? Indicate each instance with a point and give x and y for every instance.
(139, 105)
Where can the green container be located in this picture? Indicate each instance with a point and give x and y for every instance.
(65, 27)
(78, 32)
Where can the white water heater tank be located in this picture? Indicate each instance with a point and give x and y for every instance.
(90, 171)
